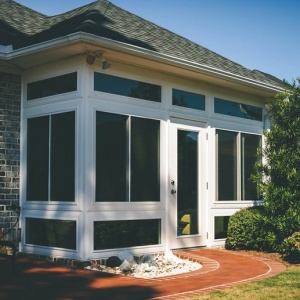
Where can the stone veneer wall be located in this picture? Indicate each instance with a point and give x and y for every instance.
(10, 107)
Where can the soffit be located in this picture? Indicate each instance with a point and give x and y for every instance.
(26, 59)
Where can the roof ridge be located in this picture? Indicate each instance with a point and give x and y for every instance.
(102, 18)
(20, 17)
(194, 44)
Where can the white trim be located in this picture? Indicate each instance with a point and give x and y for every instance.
(137, 51)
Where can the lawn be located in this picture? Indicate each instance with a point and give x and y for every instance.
(284, 286)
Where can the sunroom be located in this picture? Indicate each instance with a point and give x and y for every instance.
(132, 158)
(132, 137)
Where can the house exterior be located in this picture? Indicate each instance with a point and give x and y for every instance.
(117, 134)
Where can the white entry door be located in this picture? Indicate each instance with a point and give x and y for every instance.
(187, 186)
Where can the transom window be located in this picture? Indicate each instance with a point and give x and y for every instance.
(127, 158)
(52, 86)
(236, 158)
(51, 157)
(188, 99)
(236, 109)
(127, 87)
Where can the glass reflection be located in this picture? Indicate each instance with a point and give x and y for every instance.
(187, 194)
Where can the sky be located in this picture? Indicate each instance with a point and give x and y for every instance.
(258, 34)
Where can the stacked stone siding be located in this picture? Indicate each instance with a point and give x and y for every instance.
(10, 104)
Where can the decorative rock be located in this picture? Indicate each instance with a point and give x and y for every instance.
(147, 258)
(155, 266)
(126, 255)
(113, 261)
(125, 267)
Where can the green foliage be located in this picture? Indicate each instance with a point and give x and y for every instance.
(280, 167)
(244, 229)
(267, 229)
(292, 246)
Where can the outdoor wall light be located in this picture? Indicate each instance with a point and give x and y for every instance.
(91, 57)
(105, 64)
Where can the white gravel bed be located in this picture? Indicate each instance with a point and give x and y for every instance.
(149, 266)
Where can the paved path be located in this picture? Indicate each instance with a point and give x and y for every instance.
(221, 269)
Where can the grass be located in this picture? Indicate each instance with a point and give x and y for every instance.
(282, 286)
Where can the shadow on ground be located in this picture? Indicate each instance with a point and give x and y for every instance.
(35, 279)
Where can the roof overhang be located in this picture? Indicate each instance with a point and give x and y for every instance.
(81, 43)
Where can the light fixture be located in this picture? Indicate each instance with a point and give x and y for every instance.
(105, 64)
(90, 59)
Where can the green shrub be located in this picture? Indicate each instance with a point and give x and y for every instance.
(292, 246)
(244, 229)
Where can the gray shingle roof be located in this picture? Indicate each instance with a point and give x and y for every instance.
(22, 26)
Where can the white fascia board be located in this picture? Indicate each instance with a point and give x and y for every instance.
(137, 51)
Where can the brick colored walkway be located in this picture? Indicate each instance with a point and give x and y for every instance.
(221, 269)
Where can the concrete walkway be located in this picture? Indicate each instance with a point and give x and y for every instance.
(221, 269)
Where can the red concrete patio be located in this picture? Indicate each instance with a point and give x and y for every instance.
(36, 279)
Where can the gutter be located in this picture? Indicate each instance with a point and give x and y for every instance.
(7, 53)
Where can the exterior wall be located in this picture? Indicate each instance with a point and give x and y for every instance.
(10, 103)
(85, 102)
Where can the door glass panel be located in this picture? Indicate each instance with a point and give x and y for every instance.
(187, 188)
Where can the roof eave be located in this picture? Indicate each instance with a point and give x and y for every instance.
(82, 38)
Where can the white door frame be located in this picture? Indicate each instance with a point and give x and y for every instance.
(176, 240)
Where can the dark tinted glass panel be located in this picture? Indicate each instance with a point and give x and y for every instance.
(62, 160)
(221, 227)
(144, 160)
(126, 87)
(111, 157)
(52, 86)
(235, 109)
(124, 234)
(51, 233)
(249, 148)
(187, 99)
(37, 158)
(187, 198)
(227, 165)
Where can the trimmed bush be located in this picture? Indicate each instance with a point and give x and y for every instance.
(244, 230)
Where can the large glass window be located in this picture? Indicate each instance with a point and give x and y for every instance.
(52, 86)
(127, 87)
(236, 109)
(51, 158)
(227, 165)
(127, 158)
(51, 233)
(127, 233)
(188, 99)
(236, 158)
(249, 145)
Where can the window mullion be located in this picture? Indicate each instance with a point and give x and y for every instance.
(243, 168)
(128, 159)
(239, 167)
(49, 158)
